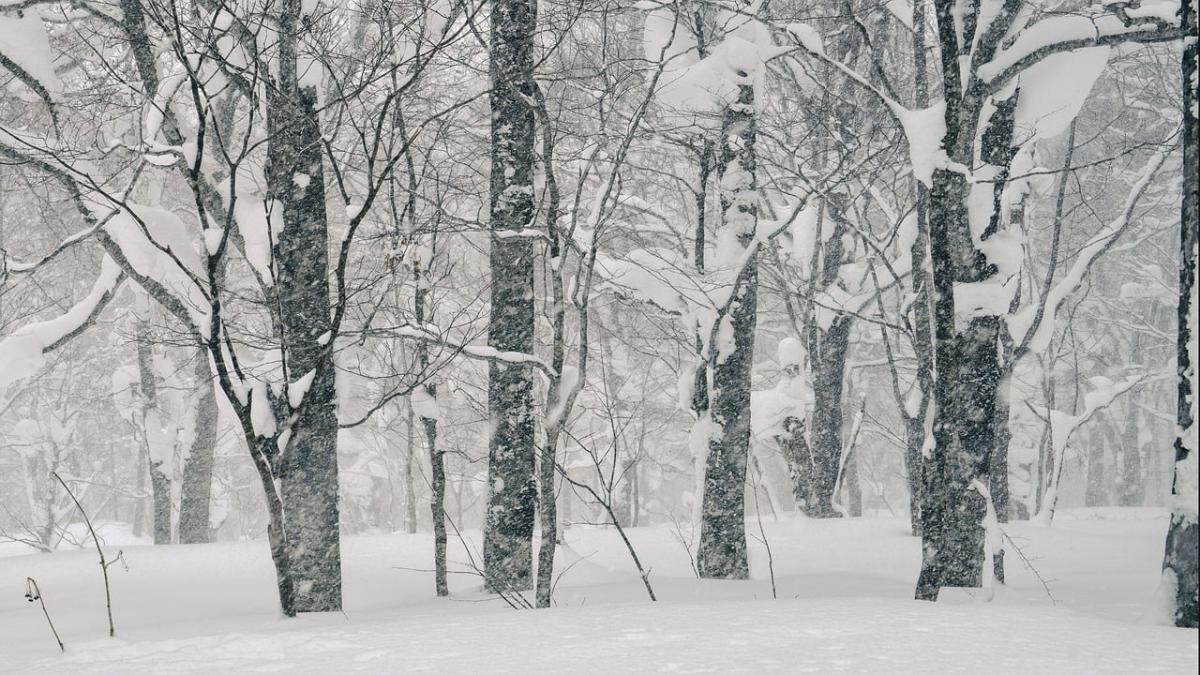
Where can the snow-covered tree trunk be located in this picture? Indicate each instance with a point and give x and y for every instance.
(196, 494)
(722, 549)
(512, 490)
(1181, 562)
(307, 465)
(966, 342)
(916, 415)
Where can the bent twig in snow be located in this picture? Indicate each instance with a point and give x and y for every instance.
(32, 592)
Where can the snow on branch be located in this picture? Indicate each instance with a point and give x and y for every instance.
(1033, 327)
(1152, 21)
(1063, 425)
(22, 354)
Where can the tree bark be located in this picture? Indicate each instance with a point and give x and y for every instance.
(512, 490)
(828, 363)
(1181, 560)
(197, 472)
(722, 549)
(308, 468)
(156, 452)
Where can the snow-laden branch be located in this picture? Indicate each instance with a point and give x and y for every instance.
(22, 354)
(1153, 21)
(1063, 425)
(1033, 327)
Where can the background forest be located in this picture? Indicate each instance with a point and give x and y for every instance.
(488, 269)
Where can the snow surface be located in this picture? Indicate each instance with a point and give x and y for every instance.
(844, 606)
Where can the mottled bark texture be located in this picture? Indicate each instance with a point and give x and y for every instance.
(722, 549)
(196, 494)
(968, 371)
(512, 490)
(160, 479)
(922, 334)
(799, 459)
(828, 363)
(307, 466)
(1182, 558)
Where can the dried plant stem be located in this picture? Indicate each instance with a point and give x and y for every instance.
(33, 592)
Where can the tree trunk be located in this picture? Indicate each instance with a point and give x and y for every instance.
(197, 472)
(1095, 492)
(410, 460)
(512, 490)
(157, 451)
(828, 363)
(914, 437)
(1130, 491)
(722, 550)
(308, 470)
(1181, 560)
(437, 463)
(967, 350)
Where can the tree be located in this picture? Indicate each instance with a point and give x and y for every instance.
(1181, 562)
(512, 490)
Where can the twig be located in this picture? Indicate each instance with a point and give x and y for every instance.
(511, 596)
(1029, 566)
(95, 540)
(762, 533)
(32, 592)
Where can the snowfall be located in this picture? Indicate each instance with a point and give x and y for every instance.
(1086, 600)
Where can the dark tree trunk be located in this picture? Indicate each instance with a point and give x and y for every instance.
(308, 469)
(914, 437)
(828, 364)
(967, 352)
(1181, 560)
(799, 461)
(197, 472)
(512, 490)
(722, 550)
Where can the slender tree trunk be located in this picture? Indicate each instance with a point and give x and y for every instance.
(1094, 493)
(1181, 561)
(1131, 491)
(410, 461)
(914, 441)
(512, 490)
(308, 469)
(922, 311)
(437, 462)
(197, 472)
(157, 450)
(722, 549)
(853, 487)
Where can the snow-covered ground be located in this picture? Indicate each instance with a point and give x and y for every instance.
(844, 590)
